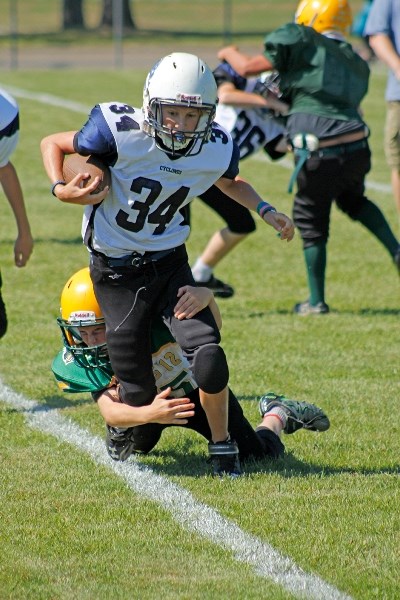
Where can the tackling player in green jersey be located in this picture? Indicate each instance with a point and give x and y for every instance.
(83, 366)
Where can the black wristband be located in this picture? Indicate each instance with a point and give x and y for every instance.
(53, 187)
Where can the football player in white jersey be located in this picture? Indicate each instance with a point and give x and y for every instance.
(9, 180)
(251, 110)
(160, 156)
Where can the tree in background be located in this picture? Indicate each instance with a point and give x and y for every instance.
(72, 15)
(127, 18)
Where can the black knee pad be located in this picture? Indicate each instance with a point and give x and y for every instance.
(210, 368)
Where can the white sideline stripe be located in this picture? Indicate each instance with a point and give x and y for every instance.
(188, 512)
(81, 108)
(47, 99)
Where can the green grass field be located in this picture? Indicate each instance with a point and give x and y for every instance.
(70, 528)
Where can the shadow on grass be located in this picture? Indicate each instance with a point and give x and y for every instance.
(73, 241)
(186, 462)
(77, 241)
(55, 403)
(362, 312)
(60, 402)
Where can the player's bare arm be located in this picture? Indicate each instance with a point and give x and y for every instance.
(383, 47)
(54, 148)
(164, 410)
(10, 183)
(243, 193)
(229, 94)
(242, 63)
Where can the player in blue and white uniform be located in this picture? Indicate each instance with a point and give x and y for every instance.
(160, 156)
(253, 117)
(251, 110)
(9, 181)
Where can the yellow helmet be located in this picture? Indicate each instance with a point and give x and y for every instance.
(78, 302)
(324, 15)
(79, 308)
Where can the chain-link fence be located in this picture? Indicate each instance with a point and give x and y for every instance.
(206, 17)
(38, 25)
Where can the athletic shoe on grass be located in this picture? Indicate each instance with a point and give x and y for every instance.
(224, 457)
(218, 287)
(300, 415)
(305, 308)
(118, 442)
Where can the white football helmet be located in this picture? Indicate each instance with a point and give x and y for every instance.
(183, 80)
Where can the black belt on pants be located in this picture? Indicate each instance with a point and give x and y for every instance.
(135, 259)
(303, 154)
(341, 149)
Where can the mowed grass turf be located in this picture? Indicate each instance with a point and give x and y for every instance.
(70, 528)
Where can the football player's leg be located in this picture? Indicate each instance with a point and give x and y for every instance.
(125, 302)
(122, 442)
(199, 338)
(249, 442)
(392, 151)
(358, 207)
(145, 437)
(311, 215)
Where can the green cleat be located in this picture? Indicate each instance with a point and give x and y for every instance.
(300, 415)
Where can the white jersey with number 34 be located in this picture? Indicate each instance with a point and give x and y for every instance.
(148, 188)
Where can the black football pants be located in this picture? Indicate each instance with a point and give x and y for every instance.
(323, 179)
(129, 298)
(261, 444)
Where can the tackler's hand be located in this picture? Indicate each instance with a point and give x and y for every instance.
(191, 301)
(170, 411)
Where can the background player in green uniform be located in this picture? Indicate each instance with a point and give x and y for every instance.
(323, 80)
(83, 365)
